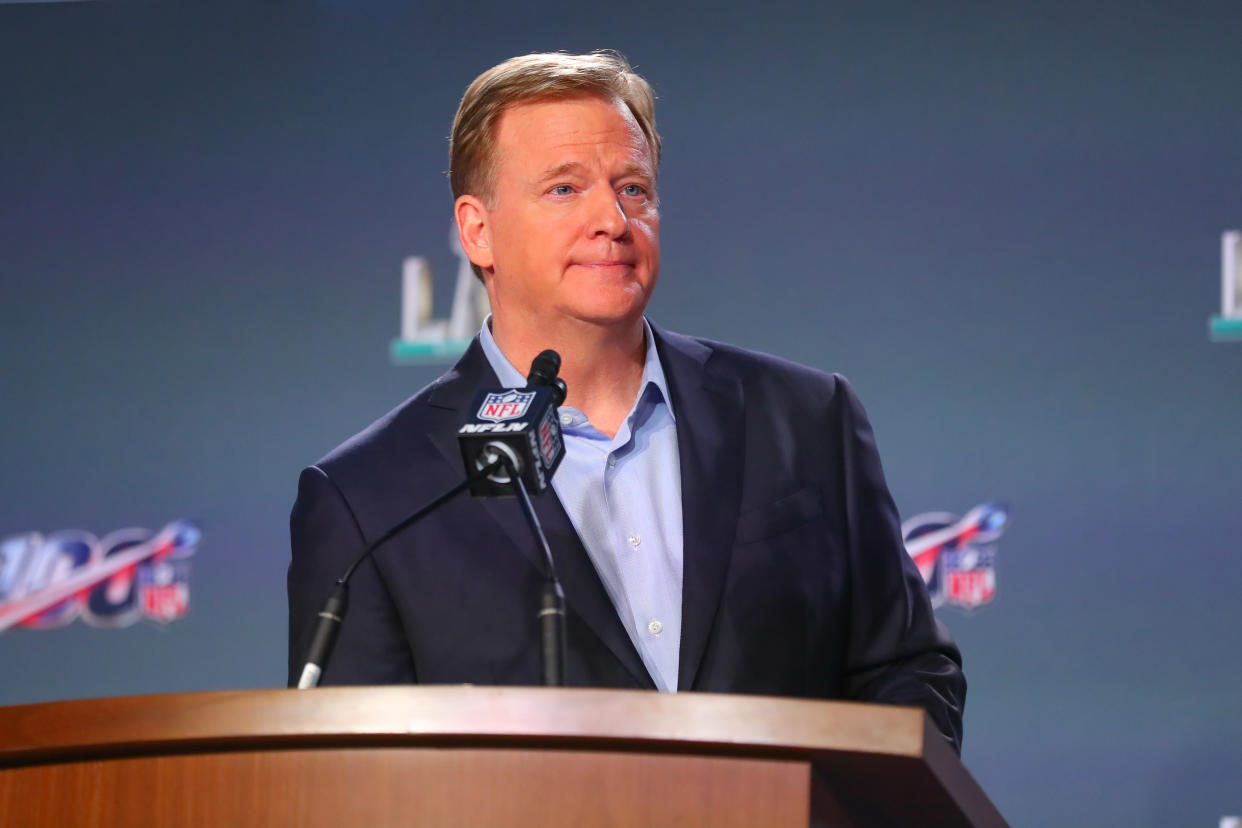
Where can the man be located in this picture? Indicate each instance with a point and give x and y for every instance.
(720, 522)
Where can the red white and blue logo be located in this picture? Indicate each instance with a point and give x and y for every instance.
(957, 555)
(505, 405)
(113, 581)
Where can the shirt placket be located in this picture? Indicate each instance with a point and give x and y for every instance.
(627, 543)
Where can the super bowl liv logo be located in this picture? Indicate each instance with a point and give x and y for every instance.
(424, 338)
(957, 555)
(1228, 326)
(113, 581)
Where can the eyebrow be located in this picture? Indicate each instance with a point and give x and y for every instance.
(575, 167)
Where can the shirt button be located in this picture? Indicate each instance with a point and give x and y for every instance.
(567, 419)
(635, 540)
(655, 627)
(612, 461)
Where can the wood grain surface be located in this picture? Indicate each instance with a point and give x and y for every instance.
(391, 786)
(477, 756)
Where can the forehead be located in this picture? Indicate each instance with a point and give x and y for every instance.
(538, 133)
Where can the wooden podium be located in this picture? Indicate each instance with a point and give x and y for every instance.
(487, 756)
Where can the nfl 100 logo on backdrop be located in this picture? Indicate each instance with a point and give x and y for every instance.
(113, 581)
(957, 555)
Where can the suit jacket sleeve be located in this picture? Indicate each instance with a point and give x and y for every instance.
(896, 652)
(325, 537)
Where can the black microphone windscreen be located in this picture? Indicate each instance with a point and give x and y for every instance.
(544, 368)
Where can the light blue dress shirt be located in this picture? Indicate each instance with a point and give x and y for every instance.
(623, 496)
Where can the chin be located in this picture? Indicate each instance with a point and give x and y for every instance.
(608, 304)
(607, 314)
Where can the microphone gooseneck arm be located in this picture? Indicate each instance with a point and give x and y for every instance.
(551, 597)
(543, 371)
(334, 609)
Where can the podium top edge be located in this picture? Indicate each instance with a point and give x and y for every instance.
(456, 714)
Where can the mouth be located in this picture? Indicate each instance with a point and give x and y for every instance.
(606, 265)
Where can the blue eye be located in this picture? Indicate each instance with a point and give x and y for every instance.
(562, 189)
(633, 190)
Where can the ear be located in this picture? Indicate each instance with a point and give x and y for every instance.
(474, 230)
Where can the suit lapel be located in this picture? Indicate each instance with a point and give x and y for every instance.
(585, 595)
(710, 431)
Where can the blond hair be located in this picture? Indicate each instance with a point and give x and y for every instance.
(549, 75)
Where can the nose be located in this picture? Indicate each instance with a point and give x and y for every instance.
(607, 216)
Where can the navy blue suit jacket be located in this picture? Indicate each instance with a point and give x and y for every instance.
(795, 582)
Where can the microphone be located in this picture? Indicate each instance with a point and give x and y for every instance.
(544, 368)
(511, 444)
(333, 613)
(518, 427)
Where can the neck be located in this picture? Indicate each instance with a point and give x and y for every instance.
(602, 365)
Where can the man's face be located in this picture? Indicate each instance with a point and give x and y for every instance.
(573, 229)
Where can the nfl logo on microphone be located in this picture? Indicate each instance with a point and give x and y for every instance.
(507, 405)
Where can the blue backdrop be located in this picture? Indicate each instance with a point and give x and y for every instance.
(1002, 224)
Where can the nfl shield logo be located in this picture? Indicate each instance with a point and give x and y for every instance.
(164, 589)
(969, 576)
(507, 405)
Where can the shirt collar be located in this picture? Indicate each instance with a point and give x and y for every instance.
(511, 377)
